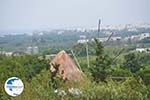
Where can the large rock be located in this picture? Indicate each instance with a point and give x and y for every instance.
(66, 67)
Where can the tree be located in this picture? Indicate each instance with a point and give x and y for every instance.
(144, 73)
(102, 63)
(132, 62)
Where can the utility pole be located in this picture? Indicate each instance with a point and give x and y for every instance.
(99, 25)
(87, 55)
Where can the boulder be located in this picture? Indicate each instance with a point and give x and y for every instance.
(65, 66)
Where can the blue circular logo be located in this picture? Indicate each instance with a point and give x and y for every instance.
(14, 86)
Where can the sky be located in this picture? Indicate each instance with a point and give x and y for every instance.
(29, 15)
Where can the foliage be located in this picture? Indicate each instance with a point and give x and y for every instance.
(102, 63)
(120, 72)
(40, 86)
(144, 73)
(129, 89)
(132, 62)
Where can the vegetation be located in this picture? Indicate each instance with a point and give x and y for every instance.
(102, 63)
(126, 78)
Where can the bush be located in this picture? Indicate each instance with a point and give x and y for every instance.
(132, 62)
(117, 71)
(145, 74)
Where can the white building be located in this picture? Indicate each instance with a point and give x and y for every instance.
(144, 35)
(82, 41)
(106, 38)
(32, 50)
(6, 53)
(103, 39)
(132, 29)
(82, 37)
(60, 32)
(115, 38)
(147, 50)
(29, 50)
(35, 50)
(48, 57)
(140, 36)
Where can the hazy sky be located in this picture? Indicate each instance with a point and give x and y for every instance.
(23, 15)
